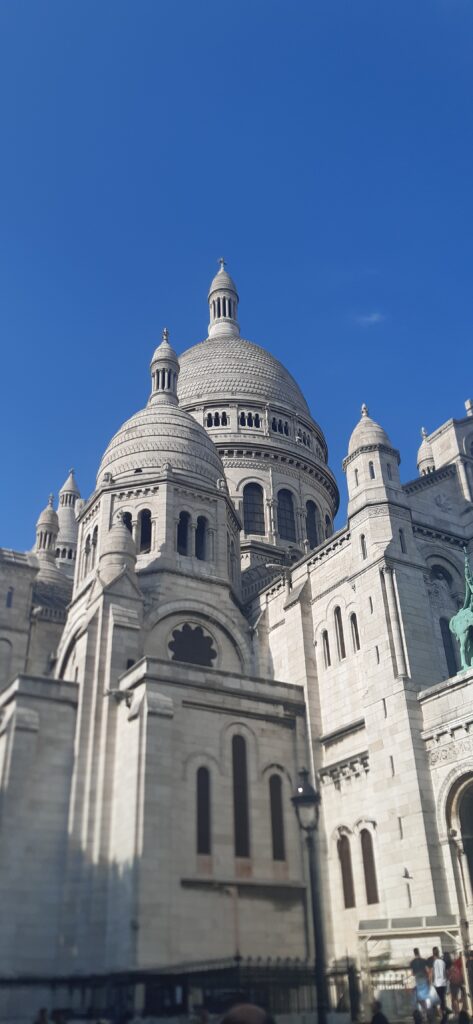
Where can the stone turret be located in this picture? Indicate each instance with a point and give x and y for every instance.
(164, 373)
(223, 304)
(47, 529)
(66, 545)
(118, 551)
(372, 463)
(425, 455)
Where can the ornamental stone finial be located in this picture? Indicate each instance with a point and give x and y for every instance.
(51, 501)
(222, 263)
(364, 409)
(423, 432)
(165, 335)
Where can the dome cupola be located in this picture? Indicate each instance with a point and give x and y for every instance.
(164, 373)
(47, 529)
(372, 463)
(223, 305)
(425, 455)
(367, 433)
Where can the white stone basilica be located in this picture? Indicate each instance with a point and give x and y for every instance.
(179, 645)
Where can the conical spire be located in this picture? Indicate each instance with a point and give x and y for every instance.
(66, 545)
(164, 372)
(47, 529)
(223, 304)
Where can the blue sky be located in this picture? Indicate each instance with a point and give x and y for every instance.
(324, 147)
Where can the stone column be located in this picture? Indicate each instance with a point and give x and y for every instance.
(391, 596)
(271, 519)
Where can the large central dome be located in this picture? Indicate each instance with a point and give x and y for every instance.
(222, 367)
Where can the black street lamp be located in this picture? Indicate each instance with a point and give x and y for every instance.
(306, 801)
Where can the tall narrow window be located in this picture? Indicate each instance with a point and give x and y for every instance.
(369, 868)
(356, 478)
(93, 545)
(203, 811)
(448, 647)
(344, 856)
(355, 636)
(339, 634)
(277, 819)
(183, 533)
(286, 518)
(328, 527)
(9, 600)
(389, 471)
(311, 524)
(253, 509)
(144, 530)
(326, 648)
(402, 541)
(209, 419)
(201, 538)
(127, 520)
(240, 798)
(364, 551)
(371, 469)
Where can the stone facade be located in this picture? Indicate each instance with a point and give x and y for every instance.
(179, 645)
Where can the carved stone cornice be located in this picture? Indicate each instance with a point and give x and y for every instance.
(354, 767)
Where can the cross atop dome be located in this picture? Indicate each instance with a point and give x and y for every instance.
(223, 303)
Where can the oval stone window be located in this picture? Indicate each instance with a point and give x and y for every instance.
(190, 644)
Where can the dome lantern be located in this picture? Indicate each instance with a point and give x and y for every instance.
(47, 529)
(223, 304)
(164, 373)
(425, 455)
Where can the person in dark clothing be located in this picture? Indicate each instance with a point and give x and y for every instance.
(464, 1017)
(378, 1015)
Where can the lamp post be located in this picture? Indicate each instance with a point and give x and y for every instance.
(306, 802)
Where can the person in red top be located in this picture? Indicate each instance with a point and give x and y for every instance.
(455, 977)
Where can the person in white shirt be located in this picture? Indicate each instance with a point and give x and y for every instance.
(439, 978)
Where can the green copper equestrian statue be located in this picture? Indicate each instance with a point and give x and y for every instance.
(461, 624)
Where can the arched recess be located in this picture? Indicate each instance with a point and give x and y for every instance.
(253, 509)
(344, 853)
(457, 803)
(232, 646)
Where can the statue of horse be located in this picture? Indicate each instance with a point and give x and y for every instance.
(461, 624)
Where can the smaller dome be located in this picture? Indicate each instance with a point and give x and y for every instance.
(48, 518)
(70, 486)
(425, 455)
(222, 280)
(367, 433)
(164, 351)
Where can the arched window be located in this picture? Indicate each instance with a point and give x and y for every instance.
(209, 419)
(328, 526)
(87, 554)
(183, 534)
(277, 817)
(364, 551)
(339, 633)
(448, 647)
(242, 419)
(356, 478)
(311, 524)
(63, 553)
(93, 545)
(127, 521)
(354, 632)
(144, 530)
(286, 518)
(69, 553)
(224, 419)
(402, 541)
(201, 538)
(9, 599)
(203, 811)
(326, 648)
(257, 420)
(274, 423)
(217, 420)
(253, 509)
(369, 868)
(249, 419)
(344, 856)
(389, 471)
(286, 429)
(240, 798)
(371, 469)
(280, 427)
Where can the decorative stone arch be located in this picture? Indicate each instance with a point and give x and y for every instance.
(239, 728)
(205, 614)
(433, 556)
(453, 789)
(68, 651)
(449, 796)
(252, 478)
(467, 444)
(199, 759)
(274, 768)
(362, 823)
